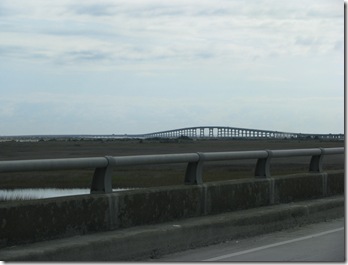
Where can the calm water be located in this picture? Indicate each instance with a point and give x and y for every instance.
(29, 194)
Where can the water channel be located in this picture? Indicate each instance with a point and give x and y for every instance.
(30, 194)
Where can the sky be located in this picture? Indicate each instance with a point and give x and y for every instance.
(141, 66)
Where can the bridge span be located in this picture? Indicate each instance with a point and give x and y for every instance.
(199, 132)
(234, 132)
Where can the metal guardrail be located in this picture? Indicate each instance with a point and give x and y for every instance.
(102, 178)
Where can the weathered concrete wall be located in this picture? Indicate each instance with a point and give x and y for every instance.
(335, 183)
(236, 195)
(296, 188)
(30, 221)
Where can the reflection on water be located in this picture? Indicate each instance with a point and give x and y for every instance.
(29, 194)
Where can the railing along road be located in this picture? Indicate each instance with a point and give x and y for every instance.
(102, 177)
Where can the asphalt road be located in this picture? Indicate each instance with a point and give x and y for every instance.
(315, 242)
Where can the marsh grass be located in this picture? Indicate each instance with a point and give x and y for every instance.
(151, 175)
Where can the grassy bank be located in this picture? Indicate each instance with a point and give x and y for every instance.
(152, 175)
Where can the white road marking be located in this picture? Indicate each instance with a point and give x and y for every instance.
(273, 245)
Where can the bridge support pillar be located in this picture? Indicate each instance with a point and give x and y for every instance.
(102, 179)
(201, 132)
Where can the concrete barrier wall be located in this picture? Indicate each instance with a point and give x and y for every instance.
(294, 188)
(37, 220)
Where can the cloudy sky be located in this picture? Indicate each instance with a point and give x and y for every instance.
(139, 66)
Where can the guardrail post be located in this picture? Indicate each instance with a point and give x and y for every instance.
(102, 179)
(194, 171)
(316, 163)
(262, 169)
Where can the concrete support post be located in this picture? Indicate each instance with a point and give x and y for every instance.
(102, 179)
(201, 132)
(262, 169)
(316, 163)
(194, 171)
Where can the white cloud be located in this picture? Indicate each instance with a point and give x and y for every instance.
(167, 64)
(129, 31)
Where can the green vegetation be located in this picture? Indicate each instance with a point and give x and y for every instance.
(151, 175)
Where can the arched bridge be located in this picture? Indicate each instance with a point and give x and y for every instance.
(233, 132)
